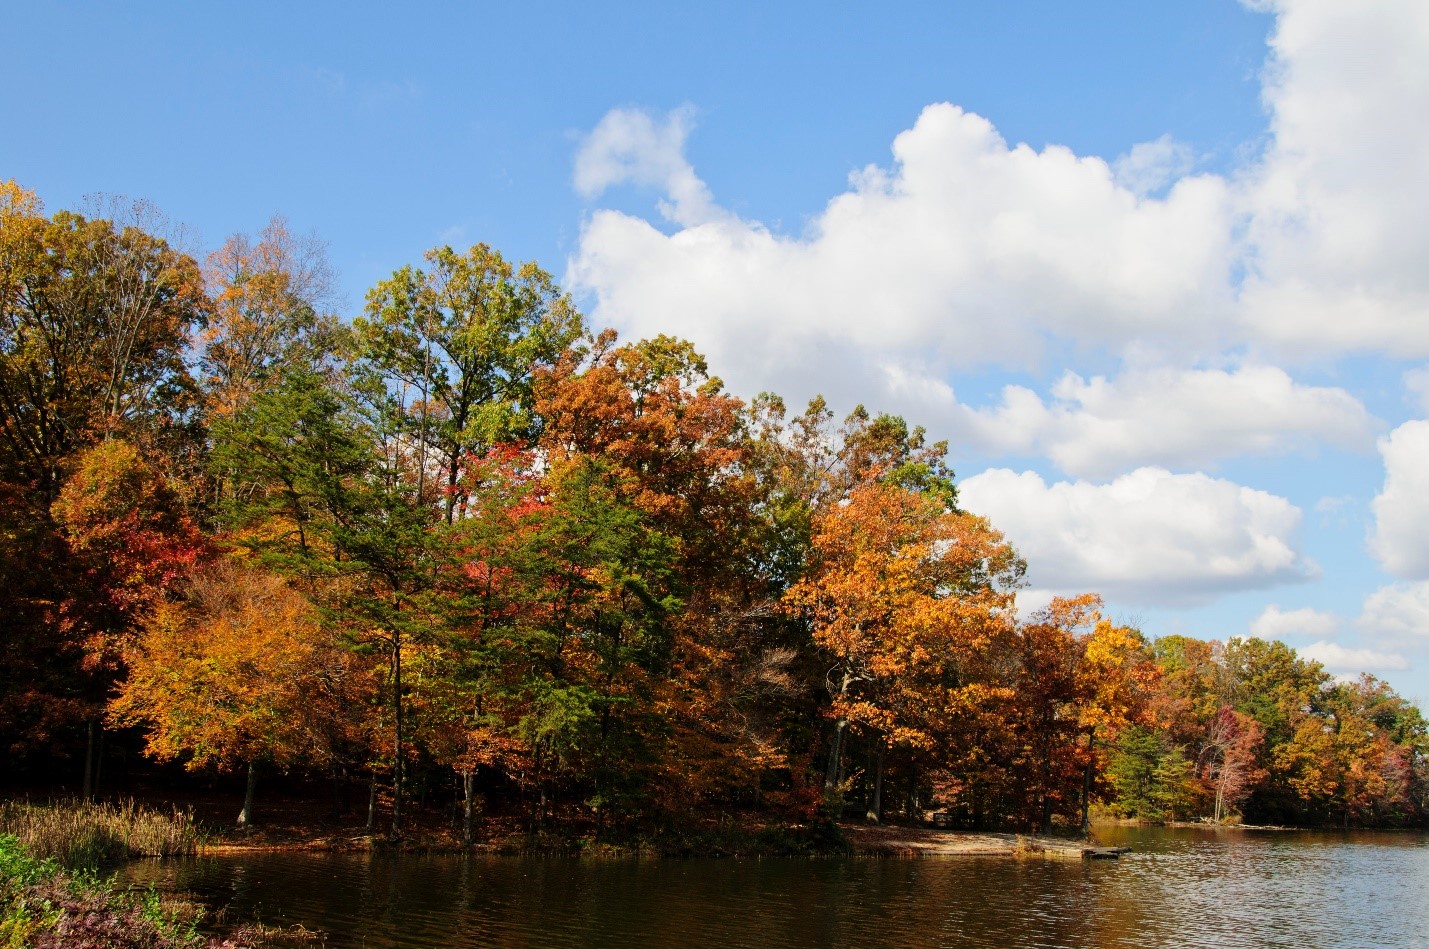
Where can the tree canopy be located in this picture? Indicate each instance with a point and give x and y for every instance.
(460, 543)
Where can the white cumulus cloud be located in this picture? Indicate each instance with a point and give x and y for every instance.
(967, 250)
(630, 145)
(1398, 613)
(1401, 509)
(1338, 209)
(1275, 623)
(1149, 537)
(1344, 660)
(1169, 417)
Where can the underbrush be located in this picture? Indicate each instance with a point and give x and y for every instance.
(79, 834)
(52, 894)
(42, 906)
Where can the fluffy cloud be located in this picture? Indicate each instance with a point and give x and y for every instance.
(631, 146)
(1397, 614)
(967, 250)
(1275, 623)
(1342, 660)
(1338, 209)
(1149, 537)
(1401, 510)
(1151, 166)
(1416, 385)
(1170, 417)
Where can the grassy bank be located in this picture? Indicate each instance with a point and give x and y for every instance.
(79, 834)
(44, 905)
(52, 892)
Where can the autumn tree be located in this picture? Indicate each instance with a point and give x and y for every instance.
(903, 598)
(1282, 693)
(130, 541)
(324, 493)
(679, 451)
(460, 345)
(491, 586)
(94, 322)
(1344, 763)
(1230, 759)
(236, 673)
(1118, 680)
(1193, 685)
(267, 315)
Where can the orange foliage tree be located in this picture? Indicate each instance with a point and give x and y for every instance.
(906, 599)
(237, 673)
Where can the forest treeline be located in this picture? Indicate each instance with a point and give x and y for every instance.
(462, 543)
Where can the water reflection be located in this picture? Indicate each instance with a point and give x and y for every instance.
(1179, 888)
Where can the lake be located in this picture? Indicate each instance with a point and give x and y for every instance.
(1179, 887)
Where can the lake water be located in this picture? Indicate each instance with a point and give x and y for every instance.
(1179, 887)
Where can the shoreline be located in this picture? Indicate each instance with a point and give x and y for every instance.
(859, 840)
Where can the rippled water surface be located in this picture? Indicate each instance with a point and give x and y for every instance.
(1178, 888)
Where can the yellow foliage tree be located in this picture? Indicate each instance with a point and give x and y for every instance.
(237, 673)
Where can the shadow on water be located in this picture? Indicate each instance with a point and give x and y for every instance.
(1180, 887)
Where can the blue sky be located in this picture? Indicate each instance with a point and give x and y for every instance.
(1156, 270)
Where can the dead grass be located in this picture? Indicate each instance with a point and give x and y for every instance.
(83, 834)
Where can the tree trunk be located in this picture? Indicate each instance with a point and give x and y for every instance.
(1046, 775)
(831, 776)
(875, 813)
(1221, 788)
(99, 760)
(1087, 799)
(397, 732)
(88, 793)
(372, 802)
(1087, 786)
(468, 778)
(245, 816)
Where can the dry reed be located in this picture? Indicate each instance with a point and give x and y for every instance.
(83, 834)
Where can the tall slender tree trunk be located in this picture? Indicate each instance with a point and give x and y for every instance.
(1221, 787)
(468, 778)
(98, 759)
(372, 802)
(1087, 786)
(88, 793)
(1046, 776)
(245, 816)
(397, 732)
(831, 775)
(875, 812)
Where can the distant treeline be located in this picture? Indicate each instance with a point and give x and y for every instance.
(460, 542)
